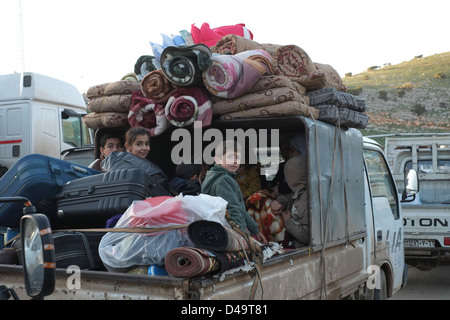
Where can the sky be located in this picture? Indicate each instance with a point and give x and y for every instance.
(98, 41)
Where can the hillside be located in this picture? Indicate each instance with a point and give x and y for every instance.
(412, 96)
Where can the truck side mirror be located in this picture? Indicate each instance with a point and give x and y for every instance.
(38, 255)
(411, 187)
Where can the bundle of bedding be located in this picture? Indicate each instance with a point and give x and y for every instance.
(183, 65)
(147, 113)
(217, 249)
(156, 86)
(231, 76)
(109, 103)
(288, 60)
(270, 96)
(189, 104)
(339, 107)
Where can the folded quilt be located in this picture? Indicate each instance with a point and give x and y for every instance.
(112, 103)
(147, 113)
(183, 65)
(276, 81)
(231, 76)
(214, 236)
(156, 86)
(289, 108)
(96, 120)
(258, 99)
(342, 116)
(330, 95)
(189, 104)
(110, 88)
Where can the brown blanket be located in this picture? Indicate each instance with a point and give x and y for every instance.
(288, 60)
(156, 86)
(112, 103)
(111, 88)
(257, 99)
(289, 108)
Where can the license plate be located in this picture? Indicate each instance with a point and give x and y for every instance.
(418, 243)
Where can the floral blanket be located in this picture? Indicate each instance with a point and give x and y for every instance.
(231, 76)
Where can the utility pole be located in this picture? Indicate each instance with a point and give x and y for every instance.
(21, 38)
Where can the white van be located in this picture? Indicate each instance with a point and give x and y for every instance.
(39, 114)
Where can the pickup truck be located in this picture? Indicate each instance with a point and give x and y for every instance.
(426, 217)
(355, 249)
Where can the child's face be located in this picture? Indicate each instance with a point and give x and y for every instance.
(229, 161)
(111, 145)
(140, 146)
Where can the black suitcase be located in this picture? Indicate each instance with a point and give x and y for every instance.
(89, 202)
(38, 178)
(78, 248)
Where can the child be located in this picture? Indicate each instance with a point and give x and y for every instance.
(137, 141)
(108, 143)
(220, 181)
(187, 179)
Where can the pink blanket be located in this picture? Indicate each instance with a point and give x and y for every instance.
(147, 113)
(189, 104)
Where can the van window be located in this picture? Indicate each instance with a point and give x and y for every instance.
(75, 132)
(381, 182)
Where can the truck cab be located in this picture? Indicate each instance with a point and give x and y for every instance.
(39, 114)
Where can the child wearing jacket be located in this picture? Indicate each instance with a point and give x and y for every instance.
(221, 181)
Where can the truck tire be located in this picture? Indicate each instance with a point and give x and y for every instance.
(381, 294)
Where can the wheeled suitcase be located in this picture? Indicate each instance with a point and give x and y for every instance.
(78, 248)
(89, 202)
(38, 178)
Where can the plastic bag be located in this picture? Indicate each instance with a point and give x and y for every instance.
(121, 251)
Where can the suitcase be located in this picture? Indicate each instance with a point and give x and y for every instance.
(38, 178)
(89, 202)
(72, 248)
(79, 249)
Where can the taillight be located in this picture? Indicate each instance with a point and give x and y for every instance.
(447, 241)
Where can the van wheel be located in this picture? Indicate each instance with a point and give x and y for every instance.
(381, 294)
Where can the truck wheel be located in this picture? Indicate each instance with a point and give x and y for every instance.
(381, 294)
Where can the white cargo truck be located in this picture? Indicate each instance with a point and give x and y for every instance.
(426, 217)
(355, 248)
(39, 114)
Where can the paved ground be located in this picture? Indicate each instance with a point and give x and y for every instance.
(426, 285)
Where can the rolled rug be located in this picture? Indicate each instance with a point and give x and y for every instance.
(230, 76)
(147, 113)
(194, 262)
(190, 262)
(183, 65)
(156, 86)
(214, 236)
(189, 104)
